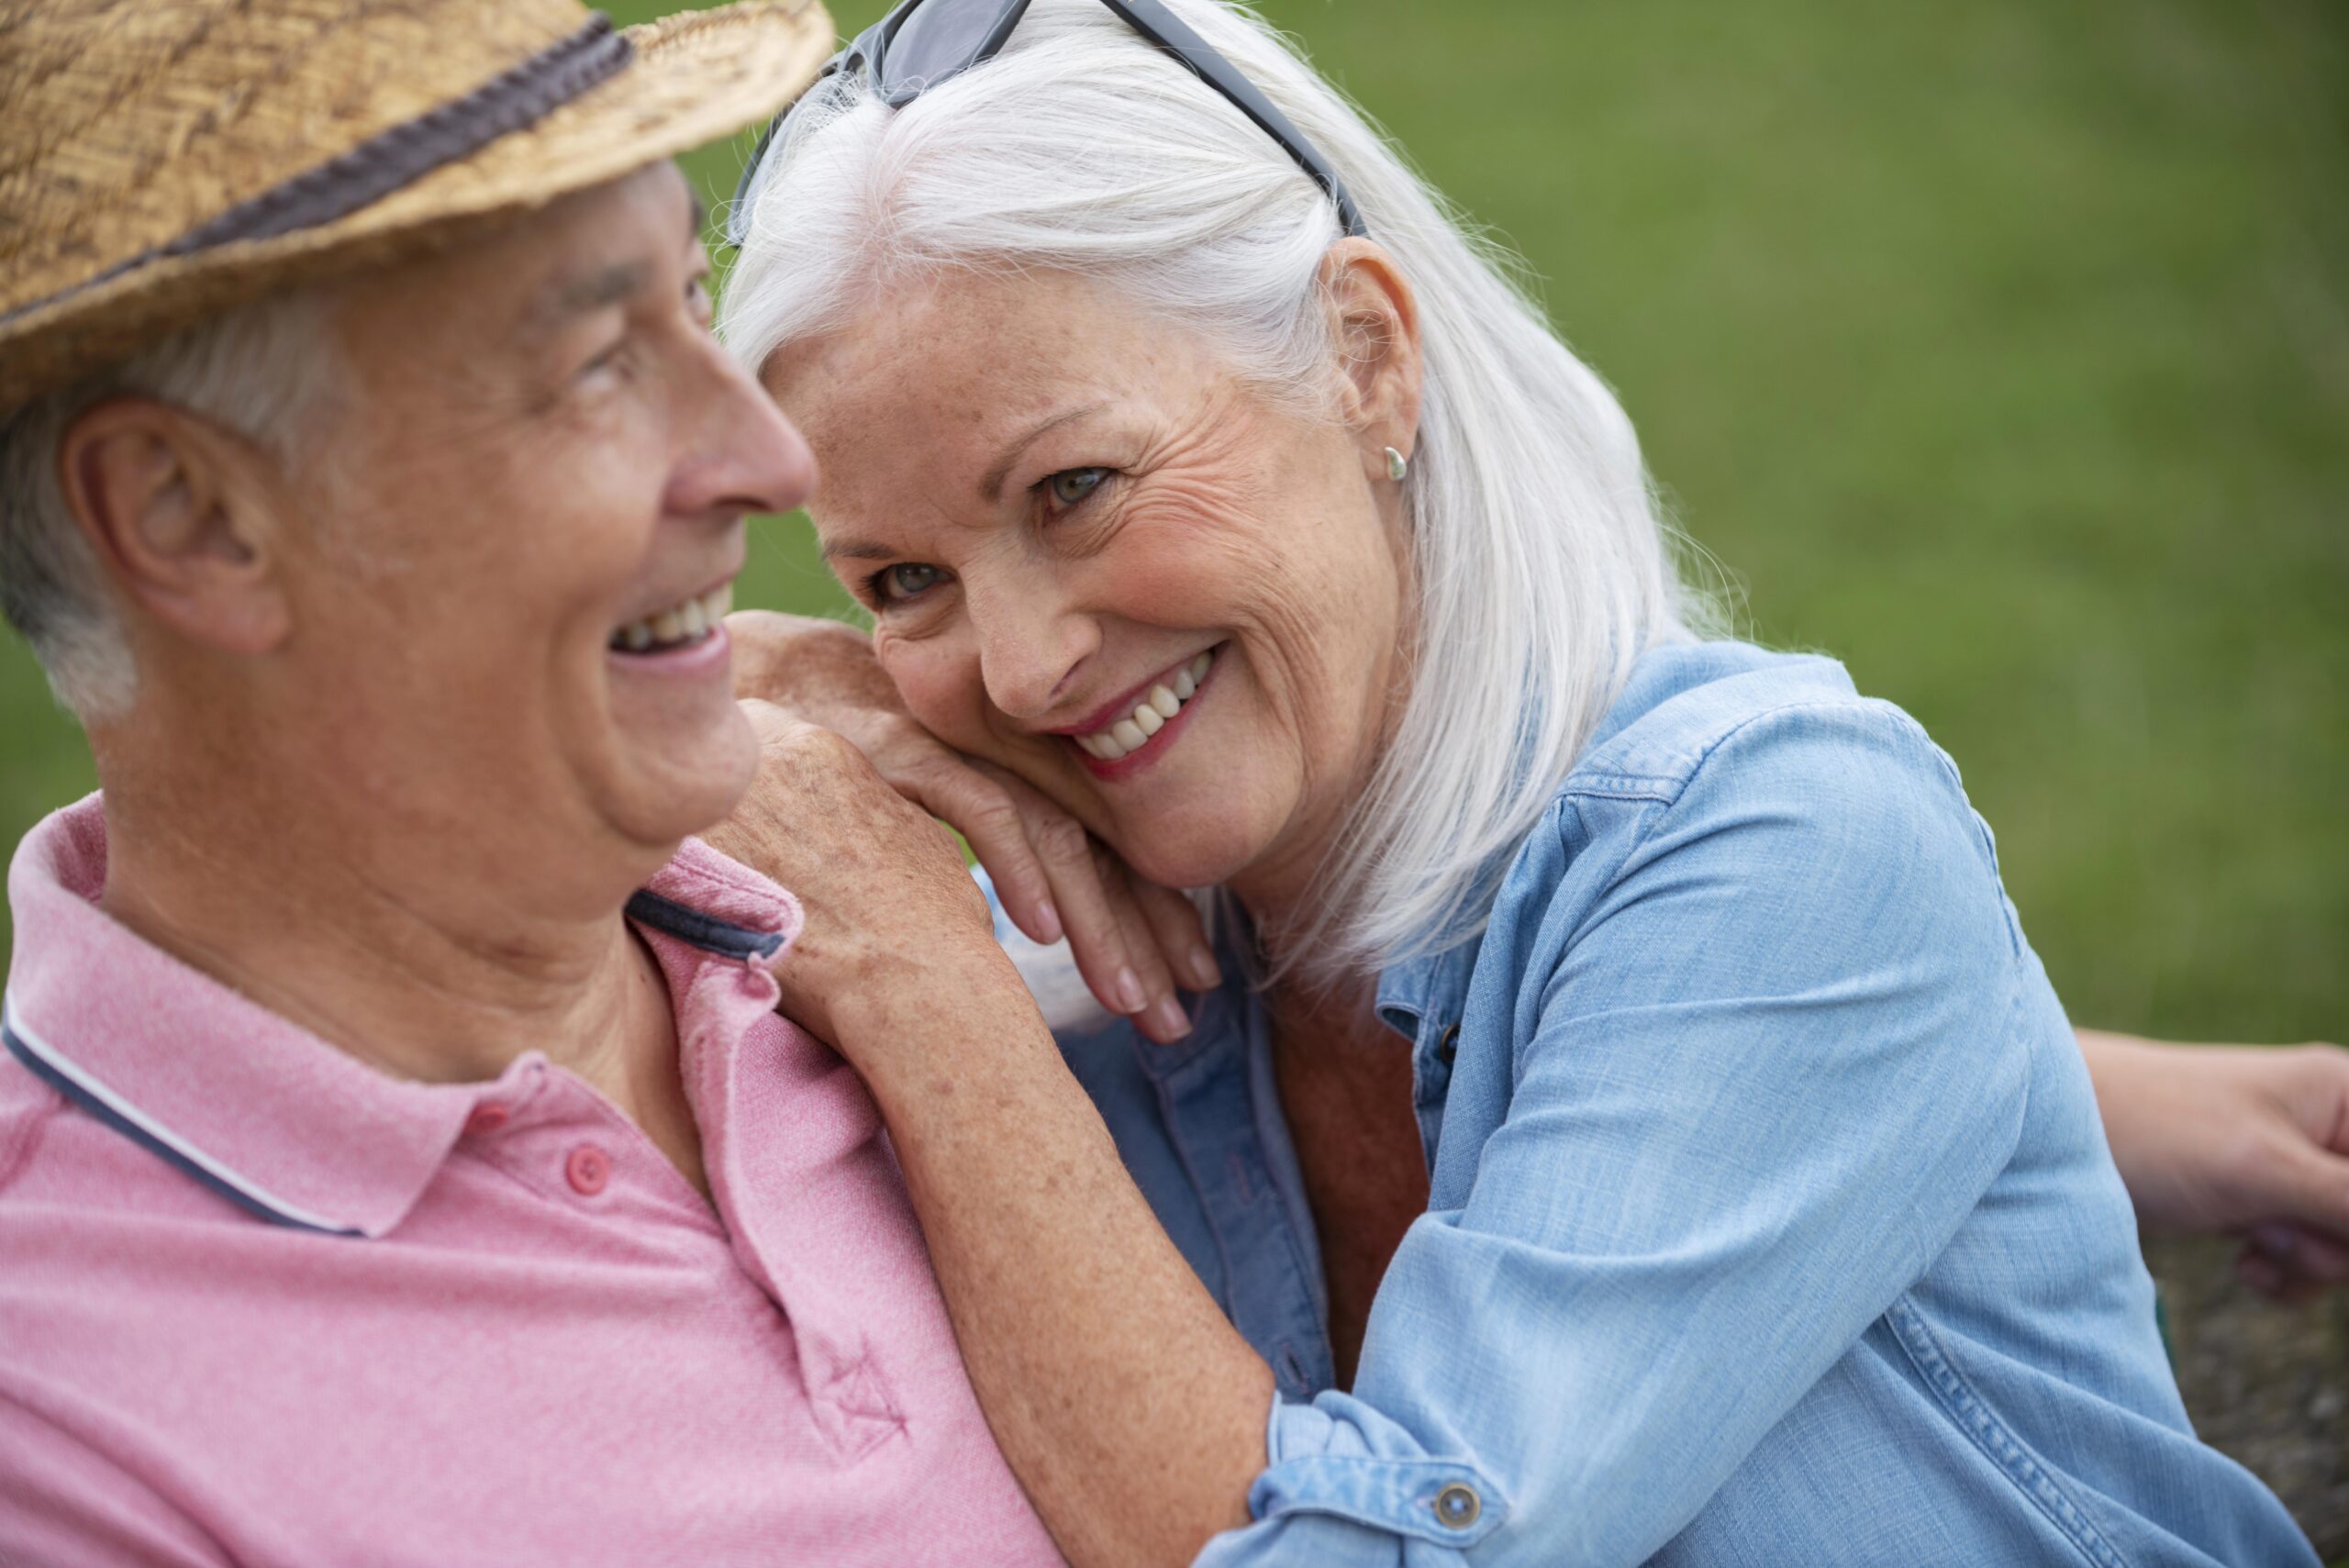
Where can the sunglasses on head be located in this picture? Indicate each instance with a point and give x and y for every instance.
(921, 43)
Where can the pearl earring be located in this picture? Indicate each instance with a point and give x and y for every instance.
(1397, 465)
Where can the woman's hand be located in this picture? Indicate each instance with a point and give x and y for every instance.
(888, 906)
(1133, 940)
(2239, 1139)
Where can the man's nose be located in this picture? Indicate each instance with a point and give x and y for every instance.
(742, 455)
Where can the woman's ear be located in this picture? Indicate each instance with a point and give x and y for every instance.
(179, 511)
(1375, 320)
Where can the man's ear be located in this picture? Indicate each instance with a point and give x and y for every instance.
(1374, 319)
(180, 511)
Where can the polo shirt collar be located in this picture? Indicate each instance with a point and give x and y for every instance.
(251, 1105)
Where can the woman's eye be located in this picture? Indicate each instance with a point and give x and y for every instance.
(906, 581)
(1072, 485)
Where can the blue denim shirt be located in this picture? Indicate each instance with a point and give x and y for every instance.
(1771, 1220)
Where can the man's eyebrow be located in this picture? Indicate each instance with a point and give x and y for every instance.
(857, 550)
(991, 487)
(579, 294)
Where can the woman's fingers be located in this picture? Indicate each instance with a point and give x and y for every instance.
(1162, 1017)
(1178, 933)
(982, 807)
(1097, 936)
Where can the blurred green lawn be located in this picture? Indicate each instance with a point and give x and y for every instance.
(2001, 350)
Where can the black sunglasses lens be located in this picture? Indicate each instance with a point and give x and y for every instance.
(937, 40)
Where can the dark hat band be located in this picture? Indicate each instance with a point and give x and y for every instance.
(400, 156)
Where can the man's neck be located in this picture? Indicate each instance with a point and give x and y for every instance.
(449, 985)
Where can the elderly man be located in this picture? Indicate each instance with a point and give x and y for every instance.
(373, 1189)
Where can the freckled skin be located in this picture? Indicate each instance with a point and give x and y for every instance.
(1225, 521)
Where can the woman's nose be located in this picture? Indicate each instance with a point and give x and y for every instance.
(1032, 645)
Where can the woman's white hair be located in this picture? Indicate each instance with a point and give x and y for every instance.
(1542, 564)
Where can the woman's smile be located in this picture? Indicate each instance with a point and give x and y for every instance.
(1129, 734)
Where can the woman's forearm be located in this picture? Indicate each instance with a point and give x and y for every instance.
(1129, 1408)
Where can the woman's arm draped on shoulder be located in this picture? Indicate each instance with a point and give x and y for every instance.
(1131, 1411)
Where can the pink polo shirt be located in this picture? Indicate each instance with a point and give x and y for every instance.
(261, 1303)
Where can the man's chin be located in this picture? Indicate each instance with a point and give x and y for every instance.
(680, 786)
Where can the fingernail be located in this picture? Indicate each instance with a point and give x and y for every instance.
(1173, 1022)
(1204, 976)
(1047, 920)
(1130, 991)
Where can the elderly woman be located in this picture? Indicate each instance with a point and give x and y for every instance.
(1634, 1126)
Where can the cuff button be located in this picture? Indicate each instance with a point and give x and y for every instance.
(1456, 1507)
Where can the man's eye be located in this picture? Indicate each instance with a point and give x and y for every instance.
(609, 358)
(1072, 485)
(905, 580)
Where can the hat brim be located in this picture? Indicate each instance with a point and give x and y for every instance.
(696, 76)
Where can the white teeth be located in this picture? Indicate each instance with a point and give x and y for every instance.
(1151, 714)
(688, 622)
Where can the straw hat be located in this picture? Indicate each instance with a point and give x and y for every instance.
(161, 163)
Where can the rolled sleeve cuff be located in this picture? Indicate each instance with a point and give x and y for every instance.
(1346, 1486)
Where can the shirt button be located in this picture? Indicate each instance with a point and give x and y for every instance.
(587, 1170)
(486, 1119)
(1457, 1506)
(1448, 1048)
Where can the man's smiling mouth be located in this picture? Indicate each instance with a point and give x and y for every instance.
(1129, 732)
(680, 626)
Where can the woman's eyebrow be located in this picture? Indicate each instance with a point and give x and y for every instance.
(991, 487)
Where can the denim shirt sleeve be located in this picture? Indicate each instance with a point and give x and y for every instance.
(1757, 1071)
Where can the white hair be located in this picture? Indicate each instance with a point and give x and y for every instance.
(261, 371)
(1541, 566)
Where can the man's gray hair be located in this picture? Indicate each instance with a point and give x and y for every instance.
(261, 371)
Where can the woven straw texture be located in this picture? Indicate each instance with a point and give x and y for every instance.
(126, 124)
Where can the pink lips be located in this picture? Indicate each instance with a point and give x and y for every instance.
(1149, 751)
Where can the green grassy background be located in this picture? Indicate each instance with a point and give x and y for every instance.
(2001, 350)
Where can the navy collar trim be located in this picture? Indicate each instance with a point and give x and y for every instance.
(705, 932)
(88, 1095)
